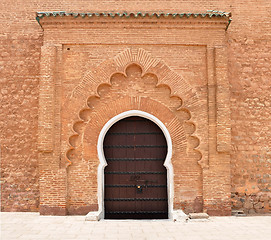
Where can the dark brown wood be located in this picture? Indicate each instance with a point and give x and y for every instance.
(135, 178)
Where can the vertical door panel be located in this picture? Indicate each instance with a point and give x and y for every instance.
(135, 178)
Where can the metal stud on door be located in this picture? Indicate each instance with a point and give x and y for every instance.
(135, 178)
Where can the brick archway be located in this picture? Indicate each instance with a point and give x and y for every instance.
(68, 105)
(99, 108)
(99, 123)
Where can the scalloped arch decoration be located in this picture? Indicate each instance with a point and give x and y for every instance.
(102, 75)
(118, 64)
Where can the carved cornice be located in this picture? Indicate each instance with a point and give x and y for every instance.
(213, 18)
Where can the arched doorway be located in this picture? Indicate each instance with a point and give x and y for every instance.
(135, 178)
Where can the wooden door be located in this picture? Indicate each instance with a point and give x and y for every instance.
(135, 149)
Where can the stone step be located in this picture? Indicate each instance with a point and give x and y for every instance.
(198, 216)
(239, 213)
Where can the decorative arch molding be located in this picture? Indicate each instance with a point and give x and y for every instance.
(92, 122)
(117, 110)
(127, 104)
(102, 75)
(98, 123)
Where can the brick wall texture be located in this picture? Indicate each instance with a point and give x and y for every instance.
(61, 83)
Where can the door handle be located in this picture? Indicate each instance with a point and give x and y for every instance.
(139, 188)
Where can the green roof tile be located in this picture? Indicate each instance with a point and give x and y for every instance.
(209, 13)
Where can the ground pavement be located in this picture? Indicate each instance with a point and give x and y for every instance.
(33, 226)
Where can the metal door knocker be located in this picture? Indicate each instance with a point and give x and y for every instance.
(139, 188)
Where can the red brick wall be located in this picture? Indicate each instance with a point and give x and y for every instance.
(250, 118)
(249, 45)
(19, 114)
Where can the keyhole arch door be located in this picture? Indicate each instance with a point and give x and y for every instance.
(139, 183)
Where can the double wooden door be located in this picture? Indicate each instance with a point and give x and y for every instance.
(135, 149)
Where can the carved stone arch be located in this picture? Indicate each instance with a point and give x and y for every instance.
(88, 88)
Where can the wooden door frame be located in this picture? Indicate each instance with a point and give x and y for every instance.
(103, 163)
